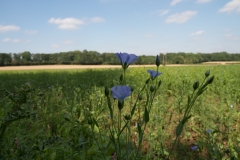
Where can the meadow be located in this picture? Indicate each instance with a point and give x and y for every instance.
(71, 114)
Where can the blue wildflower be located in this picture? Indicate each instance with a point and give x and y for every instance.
(126, 59)
(208, 131)
(194, 148)
(121, 92)
(154, 74)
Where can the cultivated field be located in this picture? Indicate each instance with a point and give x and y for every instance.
(64, 112)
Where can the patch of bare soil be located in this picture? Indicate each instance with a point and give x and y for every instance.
(222, 62)
(49, 67)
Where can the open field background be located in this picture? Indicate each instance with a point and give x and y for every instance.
(63, 98)
(44, 67)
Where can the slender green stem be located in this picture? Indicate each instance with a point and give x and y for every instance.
(174, 143)
(124, 80)
(119, 130)
(94, 138)
(128, 136)
(156, 77)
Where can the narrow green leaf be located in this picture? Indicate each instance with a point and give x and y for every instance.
(180, 126)
(123, 128)
(134, 108)
(140, 134)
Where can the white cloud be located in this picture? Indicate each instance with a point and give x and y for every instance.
(9, 28)
(197, 33)
(55, 46)
(67, 42)
(68, 26)
(16, 40)
(97, 19)
(67, 23)
(174, 2)
(6, 40)
(181, 17)
(162, 12)
(231, 37)
(203, 1)
(230, 6)
(30, 31)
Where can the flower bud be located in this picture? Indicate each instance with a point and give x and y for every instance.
(147, 81)
(121, 78)
(157, 61)
(140, 97)
(195, 85)
(207, 73)
(127, 117)
(210, 80)
(152, 88)
(106, 91)
(120, 105)
(159, 83)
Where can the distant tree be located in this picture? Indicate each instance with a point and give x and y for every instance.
(179, 59)
(45, 58)
(36, 58)
(109, 58)
(94, 57)
(54, 58)
(77, 57)
(26, 57)
(219, 56)
(5, 59)
(16, 59)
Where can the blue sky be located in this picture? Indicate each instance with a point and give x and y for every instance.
(142, 27)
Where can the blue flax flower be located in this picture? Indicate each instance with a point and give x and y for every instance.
(208, 131)
(154, 74)
(121, 92)
(126, 59)
(194, 148)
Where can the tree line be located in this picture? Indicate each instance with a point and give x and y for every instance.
(95, 58)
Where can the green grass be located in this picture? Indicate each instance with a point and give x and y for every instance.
(63, 100)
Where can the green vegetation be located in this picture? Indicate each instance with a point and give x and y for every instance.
(93, 57)
(65, 114)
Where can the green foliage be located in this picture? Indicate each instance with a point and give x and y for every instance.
(95, 58)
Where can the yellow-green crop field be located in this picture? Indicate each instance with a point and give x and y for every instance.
(71, 114)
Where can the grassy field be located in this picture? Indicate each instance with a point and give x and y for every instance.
(64, 114)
